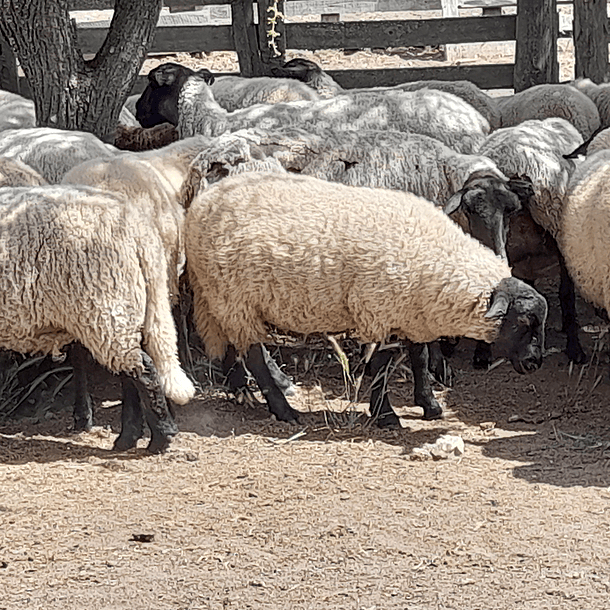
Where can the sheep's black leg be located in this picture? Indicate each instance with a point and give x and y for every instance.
(482, 356)
(381, 409)
(83, 407)
(423, 394)
(438, 365)
(278, 405)
(159, 419)
(567, 300)
(235, 373)
(132, 418)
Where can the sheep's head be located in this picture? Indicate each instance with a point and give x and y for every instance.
(298, 68)
(521, 312)
(488, 200)
(159, 101)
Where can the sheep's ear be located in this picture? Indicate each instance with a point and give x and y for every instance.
(207, 76)
(499, 306)
(453, 203)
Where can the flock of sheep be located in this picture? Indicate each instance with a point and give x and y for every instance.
(293, 203)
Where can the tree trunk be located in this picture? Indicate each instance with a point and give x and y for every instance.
(70, 92)
(591, 39)
(536, 52)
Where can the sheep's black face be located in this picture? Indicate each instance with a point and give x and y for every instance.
(298, 68)
(523, 311)
(159, 101)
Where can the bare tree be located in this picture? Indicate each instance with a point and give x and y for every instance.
(70, 92)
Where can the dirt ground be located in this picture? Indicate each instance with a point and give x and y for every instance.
(332, 513)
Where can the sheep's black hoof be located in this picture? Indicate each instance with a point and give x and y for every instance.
(82, 425)
(433, 412)
(388, 420)
(124, 442)
(287, 414)
(482, 358)
(159, 443)
(480, 363)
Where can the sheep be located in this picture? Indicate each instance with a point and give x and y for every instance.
(52, 152)
(600, 140)
(584, 234)
(234, 92)
(16, 112)
(534, 150)
(16, 173)
(600, 94)
(138, 139)
(81, 264)
(551, 100)
(374, 261)
(312, 74)
(188, 103)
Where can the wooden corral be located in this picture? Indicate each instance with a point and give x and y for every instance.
(246, 27)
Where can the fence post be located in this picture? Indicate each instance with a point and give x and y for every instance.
(243, 30)
(450, 9)
(591, 39)
(9, 76)
(271, 34)
(536, 51)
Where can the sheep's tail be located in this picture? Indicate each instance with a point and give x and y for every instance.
(159, 332)
(212, 335)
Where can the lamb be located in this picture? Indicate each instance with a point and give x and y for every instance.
(188, 103)
(551, 100)
(16, 112)
(534, 150)
(312, 74)
(16, 173)
(377, 262)
(81, 264)
(53, 152)
(584, 234)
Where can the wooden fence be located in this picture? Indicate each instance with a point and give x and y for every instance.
(246, 32)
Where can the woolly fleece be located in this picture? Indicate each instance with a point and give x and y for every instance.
(551, 100)
(53, 152)
(310, 256)
(80, 264)
(535, 149)
(16, 173)
(233, 92)
(434, 113)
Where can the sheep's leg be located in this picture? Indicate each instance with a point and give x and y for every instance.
(381, 409)
(132, 418)
(423, 394)
(159, 419)
(567, 300)
(235, 373)
(83, 407)
(278, 405)
(482, 356)
(438, 365)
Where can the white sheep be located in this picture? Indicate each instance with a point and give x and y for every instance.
(551, 100)
(192, 108)
(309, 256)
(600, 94)
(312, 74)
(586, 229)
(16, 111)
(534, 150)
(81, 264)
(234, 92)
(16, 173)
(53, 152)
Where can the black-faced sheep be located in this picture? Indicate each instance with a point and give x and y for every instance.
(188, 103)
(373, 261)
